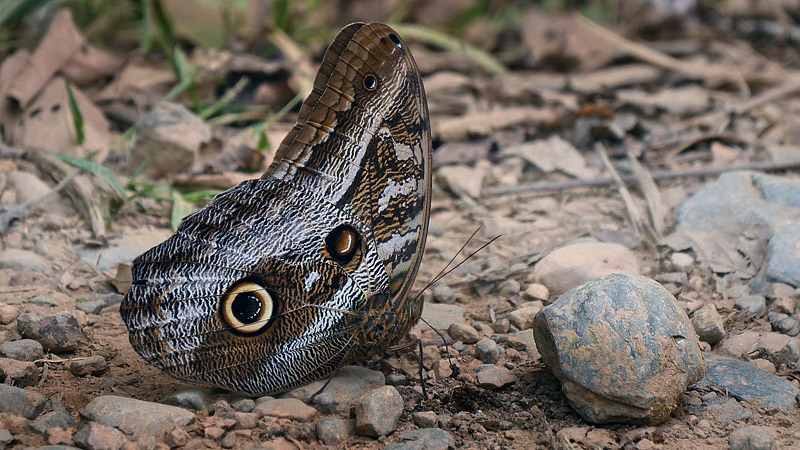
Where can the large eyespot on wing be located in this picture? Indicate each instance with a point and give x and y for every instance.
(248, 308)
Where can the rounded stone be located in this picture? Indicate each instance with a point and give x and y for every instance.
(22, 350)
(59, 332)
(463, 332)
(487, 351)
(334, 430)
(708, 324)
(752, 438)
(443, 294)
(378, 411)
(622, 347)
(572, 265)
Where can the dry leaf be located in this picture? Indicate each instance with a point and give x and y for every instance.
(9, 71)
(615, 77)
(137, 79)
(553, 154)
(56, 48)
(225, 180)
(90, 64)
(483, 123)
(47, 123)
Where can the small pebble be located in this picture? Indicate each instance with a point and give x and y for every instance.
(424, 419)
(752, 438)
(536, 291)
(22, 350)
(496, 378)
(464, 332)
(92, 365)
(682, 261)
(443, 294)
(487, 351)
(378, 411)
(754, 305)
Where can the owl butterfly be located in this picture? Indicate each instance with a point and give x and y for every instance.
(279, 281)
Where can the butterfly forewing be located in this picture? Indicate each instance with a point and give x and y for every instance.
(276, 282)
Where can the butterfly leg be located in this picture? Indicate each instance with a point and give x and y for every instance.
(342, 362)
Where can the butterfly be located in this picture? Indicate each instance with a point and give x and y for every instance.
(280, 281)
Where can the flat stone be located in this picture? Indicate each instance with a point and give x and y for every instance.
(754, 305)
(22, 350)
(487, 351)
(723, 410)
(441, 316)
(463, 332)
(784, 251)
(18, 373)
(622, 347)
(740, 344)
(59, 332)
(57, 418)
(21, 402)
(133, 416)
(192, 398)
(334, 430)
(423, 439)
(496, 377)
(378, 411)
(92, 306)
(23, 260)
(522, 317)
(536, 291)
(344, 390)
(94, 436)
(124, 249)
(570, 266)
(744, 381)
(5, 437)
(752, 438)
(92, 365)
(779, 348)
(708, 324)
(424, 419)
(286, 408)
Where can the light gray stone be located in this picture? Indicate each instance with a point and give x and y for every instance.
(378, 411)
(133, 416)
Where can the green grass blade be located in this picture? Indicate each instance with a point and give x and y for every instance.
(180, 209)
(77, 116)
(96, 169)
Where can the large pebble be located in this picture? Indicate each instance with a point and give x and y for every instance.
(779, 348)
(59, 417)
(378, 411)
(441, 316)
(334, 430)
(754, 305)
(784, 251)
(23, 260)
(523, 317)
(572, 265)
(747, 382)
(708, 324)
(95, 436)
(487, 351)
(496, 377)
(344, 390)
(21, 402)
(59, 332)
(18, 373)
(134, 416)
(464, 332)
(286, 408)
(22, 350)
(622, 347)
(423, 439)
(752, 438)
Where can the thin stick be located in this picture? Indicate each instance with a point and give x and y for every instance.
(633, 212)
(663, 175)
(18, 212)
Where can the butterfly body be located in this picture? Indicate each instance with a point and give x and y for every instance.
(279, 281)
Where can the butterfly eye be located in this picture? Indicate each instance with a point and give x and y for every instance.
(343, 243)
(370, 82)
(247, 308)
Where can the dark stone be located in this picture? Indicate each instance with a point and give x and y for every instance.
(21, 402)
(22, 350)
(58, 332)
(423, 439)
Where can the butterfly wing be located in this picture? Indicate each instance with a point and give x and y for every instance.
(269, 285)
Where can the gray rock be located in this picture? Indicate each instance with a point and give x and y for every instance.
(23, 260)
(570, 266)
(708, 324)
(722, 410)
(378, 411)
(678, 278)
(125, 249)
(752, 438)
(423, 439)
(45, 300)
(134, 416)
(784, 255)
(22, 350)
(21, 402)
(343, 392)
(487, 351)
(742, 199)
(57, 332)
(245, 405)
(464, 332)
(746, 382)
(334, 430)
(779, 348)
(494, 377)
(441, 316)
(424, 419)
(57, 418)
(784, 323)
(92, 306)
(94, 436)
(754, 305)
(192, 398)
(443, 294)
(622, 347)
(18, 373)
(509, 288)
(91, 365)
(396, 379)
(682, 261)
(740, 344)
(8, 314)
(5, 437)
